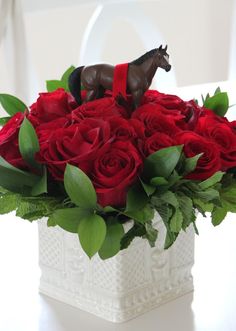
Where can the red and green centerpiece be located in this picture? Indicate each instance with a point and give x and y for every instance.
(90, 167)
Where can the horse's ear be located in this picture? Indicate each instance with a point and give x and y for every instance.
(165, 49)
(160, 48)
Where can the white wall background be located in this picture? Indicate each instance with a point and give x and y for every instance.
(198, 33)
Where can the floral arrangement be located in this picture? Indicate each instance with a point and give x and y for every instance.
(91, 168)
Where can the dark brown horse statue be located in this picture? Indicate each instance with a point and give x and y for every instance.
(99, 77)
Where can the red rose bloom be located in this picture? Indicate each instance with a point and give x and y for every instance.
(150, 96)
(222, 134)
(154, 120)
(9, 148)
(123, 129)
(50, 106)
(170, 101)
(101, 108)
(116, 168)
(157, 141)
(77, 145)
(209, 162)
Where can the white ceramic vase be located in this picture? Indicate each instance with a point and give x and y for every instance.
(136, 280)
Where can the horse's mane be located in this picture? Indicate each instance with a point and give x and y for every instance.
(144, 57)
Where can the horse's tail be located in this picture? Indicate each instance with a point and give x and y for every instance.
(74, 82)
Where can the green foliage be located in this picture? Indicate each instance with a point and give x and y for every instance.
(26, 207)
(218, 215)
(92, 233)
(40, 186)
(4, 120)
(137, 230)
(79, 188)
(14, 179)
(209, 182)
(136, 198)
(142, 215)
(162, 162)
(11, 104)
(53, 85)
(111, 244)
(28, 143)
(176, 221)
(151, 233)
(68, 218)
(219, 102)
(191, 163)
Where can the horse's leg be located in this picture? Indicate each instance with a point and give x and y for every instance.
(91, 95)
(101, 92)
(137, 96)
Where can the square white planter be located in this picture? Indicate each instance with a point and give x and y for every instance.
(137, 280)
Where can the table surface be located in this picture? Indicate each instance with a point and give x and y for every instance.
(211, 307)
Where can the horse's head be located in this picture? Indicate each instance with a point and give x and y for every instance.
(162, 58)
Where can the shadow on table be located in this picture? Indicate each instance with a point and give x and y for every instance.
(176, 315)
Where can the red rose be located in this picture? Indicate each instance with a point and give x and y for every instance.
(184, 113)
(101, 108)
(170, 101)
(194, 144)
(50, 106)
(123, 129)
(222, 133)
(155, 120)
(9, 148)
(157, 141)
(45, 130)
(150, 96)
(116, 168)
(77, 145)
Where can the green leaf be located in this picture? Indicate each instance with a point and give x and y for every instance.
(170, 198)
(40, 186)
(190, 163)
(217, 90)
(149, 189)
(51, 221)
(156, 181)
(170, 239)
(28, 210)
(11, 104)
(4, 120)
(136, 198)
(219, 103)
(79, 188)
(14, 179)
(137, 230)
(186, 207)
(66, 75)
(211, 180)
(203, 205)
(28, 143)
(92, 233)
(208, 195)
(53, 85)
(151, 234)
(8, 202)
(111, 244)
(228, 197)
(141, 215)
(176, 221)
(68, 218)
(218, 214)
(162, 162)
(109, 209)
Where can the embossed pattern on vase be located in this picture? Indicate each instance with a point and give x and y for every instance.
(136, 280)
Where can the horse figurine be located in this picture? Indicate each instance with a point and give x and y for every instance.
(99, 77)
